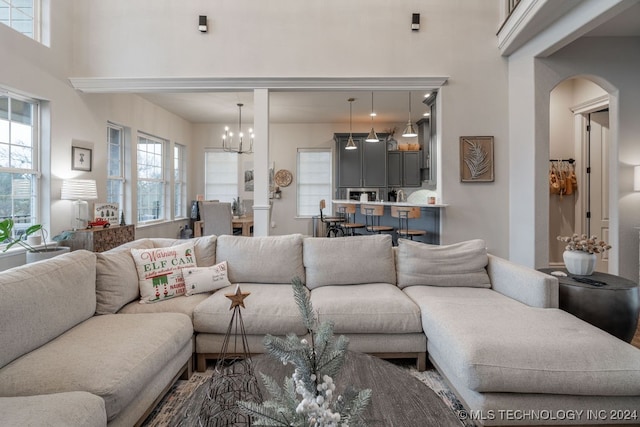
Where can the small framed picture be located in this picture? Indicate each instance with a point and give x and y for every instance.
(81, 159)
(476, 159)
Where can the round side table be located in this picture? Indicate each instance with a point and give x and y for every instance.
(612, 307)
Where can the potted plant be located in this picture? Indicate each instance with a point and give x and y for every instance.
(580, 253)
(29, 241)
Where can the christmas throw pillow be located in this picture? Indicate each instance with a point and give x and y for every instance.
(205, 279)
(160, 271)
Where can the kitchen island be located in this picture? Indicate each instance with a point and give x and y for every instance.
(429, 218)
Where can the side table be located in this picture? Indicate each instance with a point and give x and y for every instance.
(101, 239)
(613, 307)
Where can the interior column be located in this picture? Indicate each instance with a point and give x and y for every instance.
(261, 206)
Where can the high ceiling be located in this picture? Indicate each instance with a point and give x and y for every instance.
(332, 106)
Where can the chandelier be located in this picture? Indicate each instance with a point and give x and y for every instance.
(228, 143)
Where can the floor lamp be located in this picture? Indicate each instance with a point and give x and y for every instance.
(79, 190)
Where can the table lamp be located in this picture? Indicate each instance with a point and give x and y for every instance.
(79, 190)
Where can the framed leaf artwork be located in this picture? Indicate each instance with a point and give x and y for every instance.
(476, 159)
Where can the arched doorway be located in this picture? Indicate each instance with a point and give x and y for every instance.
(579, 147)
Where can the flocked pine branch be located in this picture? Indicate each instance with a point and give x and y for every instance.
(477, 159)
(316, 364)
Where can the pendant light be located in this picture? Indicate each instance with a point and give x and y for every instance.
(227, 139)
(409, 131)
(372, 137)
(350, 144)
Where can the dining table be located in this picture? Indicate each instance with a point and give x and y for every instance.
(242, 222)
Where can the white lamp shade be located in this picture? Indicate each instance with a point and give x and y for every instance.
(636, 178)
(79, 189)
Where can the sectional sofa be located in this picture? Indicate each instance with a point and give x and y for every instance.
(75, 336)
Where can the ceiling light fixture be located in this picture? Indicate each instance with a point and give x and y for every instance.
(227, 139)
(372, 137)
(350, 144)
(409, 131)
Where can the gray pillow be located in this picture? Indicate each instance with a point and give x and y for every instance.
(461, 264)
(349, 260)
(262, 259)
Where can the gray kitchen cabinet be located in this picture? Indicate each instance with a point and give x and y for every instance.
(404, 169)
(427, 138)
(365, 166)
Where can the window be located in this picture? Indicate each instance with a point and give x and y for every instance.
(179, 181)
(115, 165)
(19, 164)
(21, 15)
(314, 181)
(220, 175)
(151, 178)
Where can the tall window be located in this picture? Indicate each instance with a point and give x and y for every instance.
(179, 181)
(21, 15)
(115, 164)
(19, 165)
(151, 178)
(313, 181)
(220, 175)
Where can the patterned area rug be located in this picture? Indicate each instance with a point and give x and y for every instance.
(182, 390)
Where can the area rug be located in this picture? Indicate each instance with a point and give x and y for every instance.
(179, 394)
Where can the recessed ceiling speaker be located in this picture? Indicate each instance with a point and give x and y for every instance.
(202, 23)
(415, 22)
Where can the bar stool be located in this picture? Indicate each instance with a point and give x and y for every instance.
(332, 222)
(404, 214)
(348, 212)
(372, 214)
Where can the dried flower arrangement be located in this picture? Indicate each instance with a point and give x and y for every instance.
(583, 243)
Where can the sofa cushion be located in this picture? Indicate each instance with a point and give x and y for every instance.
(264, 259)
(40, 301)
(112, 356)
(160, 271)
(460, 264)
(375, 308)
(72, 409)
(171, 305)
(117, 277)
(495, 344)
(205, 279)
(270, 309)
(349, 260)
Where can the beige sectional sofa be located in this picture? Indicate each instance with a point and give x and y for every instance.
(75, 329)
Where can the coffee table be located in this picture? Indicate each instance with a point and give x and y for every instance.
(398, 398)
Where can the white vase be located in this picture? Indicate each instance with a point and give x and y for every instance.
(579, 262)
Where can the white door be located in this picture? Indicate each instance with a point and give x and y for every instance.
(598, 194)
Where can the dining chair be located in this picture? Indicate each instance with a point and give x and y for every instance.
(216, 217)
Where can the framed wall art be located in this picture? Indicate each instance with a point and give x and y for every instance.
(476, 159)
(81, 159)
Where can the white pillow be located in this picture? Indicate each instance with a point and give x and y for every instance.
(205, 279)
(160, 271)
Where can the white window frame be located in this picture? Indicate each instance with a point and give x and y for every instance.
(17, 14)
(221, 175)
(179, 181)
(118, 178)
(311, 187)
(34, 171)
(153, 162)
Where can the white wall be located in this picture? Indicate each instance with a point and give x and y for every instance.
(288, 38)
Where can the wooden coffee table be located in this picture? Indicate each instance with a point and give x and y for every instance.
(398, 398)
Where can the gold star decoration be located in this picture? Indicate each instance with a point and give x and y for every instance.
(237, 298)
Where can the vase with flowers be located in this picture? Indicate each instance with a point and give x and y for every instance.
(580, 253)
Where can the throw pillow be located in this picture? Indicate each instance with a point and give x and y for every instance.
(160, 271)
(205, 279)
(460, 264)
